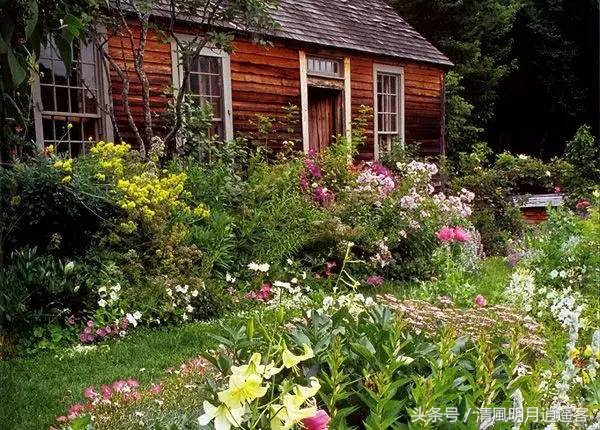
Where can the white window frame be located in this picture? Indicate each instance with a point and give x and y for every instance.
(394, 70)
(207, 51)
(103, 99)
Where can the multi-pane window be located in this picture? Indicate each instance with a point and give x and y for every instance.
(388, 109)
(324, 67)
(205, 80)
(67, 101)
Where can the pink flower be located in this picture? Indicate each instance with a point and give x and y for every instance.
(445, 234)
(375, 280)
(90, 394)
(119, 386)
(461, 234)
(480, 301)
(71, 320)
(265, 292)
(583, 204)
(317, 422)
(155, 389)
(133, 383)
(75, 410)
(62, 419)
(106, 392)
(557, 189)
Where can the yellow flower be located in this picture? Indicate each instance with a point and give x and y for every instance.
(588, 351)
(223, 416)
(50, 149)
(290, 360)
(574, 353)
(286, 415)
(66, 179)
(255, 368)
(585, 377)
(242, 390)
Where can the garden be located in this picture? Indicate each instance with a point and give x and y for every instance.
(235, 287)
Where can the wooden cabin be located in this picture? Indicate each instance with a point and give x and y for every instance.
(328, 57)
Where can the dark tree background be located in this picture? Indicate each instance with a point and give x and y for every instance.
(526, 74)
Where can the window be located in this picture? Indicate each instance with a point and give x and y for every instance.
(324, 67)
(389, 112)
(209, 81)
(67, 112)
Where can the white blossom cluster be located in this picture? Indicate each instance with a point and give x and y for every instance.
(181, 297)
(109, 296)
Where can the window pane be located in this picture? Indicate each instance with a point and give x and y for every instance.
(62, 99)
(47, 94)
(324, 66)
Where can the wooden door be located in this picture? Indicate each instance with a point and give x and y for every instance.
(324, 117)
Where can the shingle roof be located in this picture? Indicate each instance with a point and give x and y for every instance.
(362, 25)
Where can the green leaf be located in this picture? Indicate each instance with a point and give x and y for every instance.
(33, 18)
(17, 71)
(3, 45)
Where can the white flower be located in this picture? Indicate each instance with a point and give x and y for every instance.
(231, 279)
(289, 261)
(223, 416)
(116, 288)
(294, 280)
(281, 284)
(554, 274)
(264, 267)
(113, 295)
(195, 293)
(190, 308)
(131, 319)
(137, 315)
(102, 290)
(102, 303)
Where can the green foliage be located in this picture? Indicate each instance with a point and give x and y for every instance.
(583, 154)
(37, 291)
(495, 215)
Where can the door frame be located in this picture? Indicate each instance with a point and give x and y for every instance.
(347, 102)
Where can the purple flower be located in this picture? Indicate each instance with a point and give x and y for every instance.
(313, 168)
(375, 280)
(71, 320)
(480, 301)
(323, 196)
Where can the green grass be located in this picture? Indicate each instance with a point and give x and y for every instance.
(34, 390)
(489, 280)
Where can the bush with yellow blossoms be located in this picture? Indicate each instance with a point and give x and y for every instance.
(151, 198)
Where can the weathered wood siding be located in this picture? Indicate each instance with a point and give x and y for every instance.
(265, 80)
(157, 65)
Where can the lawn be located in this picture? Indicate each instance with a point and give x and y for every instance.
(37, 389)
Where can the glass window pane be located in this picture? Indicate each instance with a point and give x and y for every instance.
(47, 95)
(62, 99)
(60, 73)
(90, 104)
